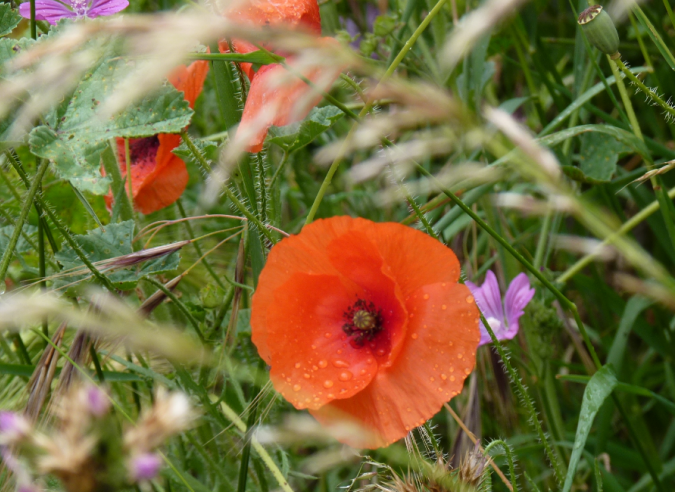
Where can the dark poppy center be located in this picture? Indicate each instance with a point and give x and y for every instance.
(363, 321)
(144, 149)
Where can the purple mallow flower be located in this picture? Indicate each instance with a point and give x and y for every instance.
(13, 426)
(53, 11)
(145, 466)
(503, 319)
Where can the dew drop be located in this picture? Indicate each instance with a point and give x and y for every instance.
(467, 370)
(409, 409)
(339, 351)
(432, 379)
(288, 380)
(346, 376)
(296, 387)
(327, 335)
(297, 365)
(314, 368)
(412, 315)
(450, 344)
(440, 389)
(443, 284)
(340, 363)
(322, 363)
(363, 371)
(452, 369)
(452, 378)
(317, 399)
(328, 383)
(444, 377)
(306, 376)
(331, 395)
(414, 336)
(444, 307)
(380, 352)
(369, 360)
(469, 299)
(343, 391)
(313, 347)
(426, 296)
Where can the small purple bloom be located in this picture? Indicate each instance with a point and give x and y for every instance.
(503, 319)
(13, 426)
(97, 401)
(53, 10)
(145, 466)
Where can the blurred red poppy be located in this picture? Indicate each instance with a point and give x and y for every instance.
(365, 323)
(275, 98)
(158, 177)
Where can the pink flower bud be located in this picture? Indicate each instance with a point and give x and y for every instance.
(13, 426)
(145, 466)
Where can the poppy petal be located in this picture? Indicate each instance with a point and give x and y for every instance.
(168, 181)
(438, 355)
(190, 79)
(276, 97)
(314, 363)
(47, 10)
(294, 13)
(355, 257)
(306, 253)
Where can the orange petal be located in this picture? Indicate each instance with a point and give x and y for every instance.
(304, 253)
(312, 359)
(168, 181)
(294, 13)
(190, 79)
(438, 355)
(276, 97)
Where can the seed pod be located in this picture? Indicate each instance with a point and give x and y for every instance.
(600, 30)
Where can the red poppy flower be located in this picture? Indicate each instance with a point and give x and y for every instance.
(158, 177)
(365, 323)
(271, 101)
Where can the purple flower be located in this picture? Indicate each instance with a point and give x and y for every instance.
(97, 401)
(502, 319)
(145, 466)
(53, 10)
(13, 426)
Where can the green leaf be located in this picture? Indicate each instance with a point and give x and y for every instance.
(296, 136)
(599, 387)
(22, 245)
(76, 135)
(106, 243)
(654, 34)
(9, 19)
(622, 136)
(206, 147)
(599, 154)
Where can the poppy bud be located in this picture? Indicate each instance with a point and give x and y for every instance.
(600, 30)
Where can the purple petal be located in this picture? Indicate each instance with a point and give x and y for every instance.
(489, 300)
(371, 14)
(106, 7)
(97, 401)
(49, 10)
(518, 295)
(145, 466)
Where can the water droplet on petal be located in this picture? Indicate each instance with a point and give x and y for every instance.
(444, 307)
(313, 347)
(426, 296)
(444, 377)
(306, 376)
(296, 387)
(432, 379)
(346, 376)
(327, 335)
(331, 395)
(414, 336)
(452, 378)
(440, 389)
(340, 363)
(322, 363)
(328, 383)
(297, 365)
(469, 299)
(467, 370)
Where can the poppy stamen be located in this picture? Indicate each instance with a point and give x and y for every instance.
(363, 320)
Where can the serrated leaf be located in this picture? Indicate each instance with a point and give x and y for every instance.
(599, 154)
(22, 245)
(9, 19)
(598, 389)
(76, 135)
(296, 136)
(111, 242)
(204, 146)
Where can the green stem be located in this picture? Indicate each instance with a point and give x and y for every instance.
(625, 227)
(27, 204)
(392, 67)
(670, 12)
(179, 304)
(543, 239)
(527, 401)
(242, 208)
(33, 25)
(195, 244)
(509, 459)
(652, 95)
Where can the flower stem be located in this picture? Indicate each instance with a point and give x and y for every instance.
(392, 67)
(27, 204)
(179, 304)
(33, 25)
